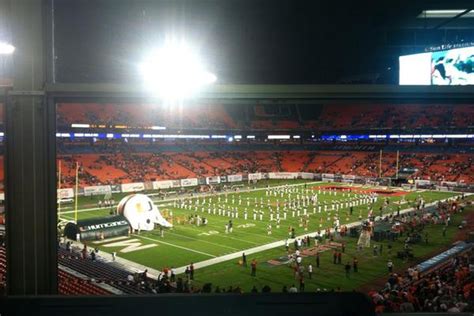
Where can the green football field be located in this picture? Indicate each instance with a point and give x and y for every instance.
(372, 274)
(186, 242)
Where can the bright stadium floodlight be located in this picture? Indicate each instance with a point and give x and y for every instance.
(175, 72)
(445, 14)
(6, 49)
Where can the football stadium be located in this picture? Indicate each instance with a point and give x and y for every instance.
(217, 204)
(170, 156)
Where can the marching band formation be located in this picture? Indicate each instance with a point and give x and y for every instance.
(279, 204)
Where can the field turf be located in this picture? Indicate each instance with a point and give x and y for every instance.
(372, 272)
(187, 243)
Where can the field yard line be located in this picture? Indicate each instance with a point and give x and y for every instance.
(173, 245)
(200, 240)
(242, 240)
(65, 218)
(226, 236)
(218, 228)
(264, 232)
(276, 244)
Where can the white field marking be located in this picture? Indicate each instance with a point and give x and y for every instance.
(238, 239)
(130, 245)
(201, 240)
(280, 243)
(217, 227)
(223, 235)
(223, 220)
(109, 240)
(173, 245)
(255, 234)
(246, 225)
(66, 218)
(226, 236)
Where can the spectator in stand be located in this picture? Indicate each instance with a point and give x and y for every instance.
(450, 288)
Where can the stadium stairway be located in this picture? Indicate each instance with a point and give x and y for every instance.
(99, 270)
(69, 282)
(72, 285)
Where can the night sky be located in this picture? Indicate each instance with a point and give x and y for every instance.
(251, 42)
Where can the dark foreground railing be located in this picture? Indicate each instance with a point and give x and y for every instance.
(331, 304)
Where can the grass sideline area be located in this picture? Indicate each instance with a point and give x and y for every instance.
(330, 276)
(187, 243)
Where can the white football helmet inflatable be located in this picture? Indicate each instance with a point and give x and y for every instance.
(141, 212)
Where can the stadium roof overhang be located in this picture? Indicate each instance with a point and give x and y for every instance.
(301, 93)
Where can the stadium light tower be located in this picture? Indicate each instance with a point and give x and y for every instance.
(175, 72)
(6, 49)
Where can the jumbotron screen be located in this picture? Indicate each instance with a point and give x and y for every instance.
(447, 67)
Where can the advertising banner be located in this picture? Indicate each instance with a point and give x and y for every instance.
(449, 183)
(328, 175)
(97, 190)
(97, 228)
(307, 175)
(176, 183)
(189, 182)
(213, 180)
(283, 175)
(133, 187)
(65, 193)
(234, 178)
(158, 185)
(148, 185)
(116, 188)
(422, 182)
(348, 176)
(255, 176)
